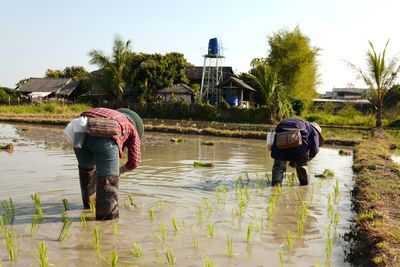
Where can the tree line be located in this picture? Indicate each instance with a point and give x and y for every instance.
(285, 79)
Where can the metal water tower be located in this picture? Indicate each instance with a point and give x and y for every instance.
(212, 73)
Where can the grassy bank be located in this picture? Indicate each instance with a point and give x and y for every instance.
(376, 234)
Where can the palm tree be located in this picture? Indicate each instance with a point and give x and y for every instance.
(113, 67)
(271, 91)
(379, 76)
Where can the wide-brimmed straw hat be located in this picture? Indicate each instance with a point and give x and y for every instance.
(319, 130)
(135, 118)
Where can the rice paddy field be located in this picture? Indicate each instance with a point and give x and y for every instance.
(221, 212)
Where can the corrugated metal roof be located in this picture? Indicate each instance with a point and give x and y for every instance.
(60, 86)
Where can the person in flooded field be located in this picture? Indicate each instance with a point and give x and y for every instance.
(108, 133)
(298, 142)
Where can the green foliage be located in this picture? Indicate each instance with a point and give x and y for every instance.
(46, 108)
(349, 111)
(297, 59)
(340, 119)
(272, 93)
(205, 112)
(113, 68)
(380, 75)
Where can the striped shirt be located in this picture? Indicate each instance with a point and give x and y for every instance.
(127, 134)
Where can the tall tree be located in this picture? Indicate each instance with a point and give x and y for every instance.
(271, 91)
(113, 68)
(297, 60)
(379, 75)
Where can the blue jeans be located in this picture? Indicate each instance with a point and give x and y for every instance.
(99, 153)
(98, 174)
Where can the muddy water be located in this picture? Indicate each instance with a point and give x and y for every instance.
(199, 199)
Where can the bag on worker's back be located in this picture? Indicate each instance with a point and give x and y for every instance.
(290, 138)
(102, 127)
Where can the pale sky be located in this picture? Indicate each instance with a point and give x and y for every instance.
(53, 34)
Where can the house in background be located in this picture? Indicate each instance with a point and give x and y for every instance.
(237, 93)
(195, 73)
(177, 92)
(345, 96)
(49, 88)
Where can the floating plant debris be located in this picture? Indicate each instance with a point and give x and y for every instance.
(203, 164)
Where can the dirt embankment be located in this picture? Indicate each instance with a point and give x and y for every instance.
(165, 126)
(376, 197)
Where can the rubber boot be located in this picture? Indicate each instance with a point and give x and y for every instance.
(87, 179)
(107, 198)
(278, 170)
(302, 175)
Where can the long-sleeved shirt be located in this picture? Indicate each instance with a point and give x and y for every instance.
(127, 134)
(310, 142)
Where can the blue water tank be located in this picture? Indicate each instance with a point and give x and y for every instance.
(213, 47)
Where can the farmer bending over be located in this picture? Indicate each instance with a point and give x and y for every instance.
(296, 141)
(108, 132)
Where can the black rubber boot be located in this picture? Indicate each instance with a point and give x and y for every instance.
(302, 175)
(107, 198)
(87, 179)
(278, 171)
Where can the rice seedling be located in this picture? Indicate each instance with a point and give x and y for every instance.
(330, 206)
(2, 225)
(9, 210)
(34, 224)
(208, 205)
(96, 239)
(83, 220)
(92, 205)
(43, 259)
(64, 230)
(152, 214)
(229, 245)
(210, 230)
(207, 262)
(336, 192)
(281, 258)
(199, 214)
(336, 219)
(65, 204)
(36, 201)
(249, 231)
(116, 228)
(304, 211)
(184, 225)
(328, 244)
(63, 215)
(161, 205)
(11, 244)
(246, 174)
(289, 240)
(328, 173)
(247, 192)
(300, 228)
(162, 231)
(137, 250)
(195, 243)
(170, 257)
(113, 258)
(130, 198)
(175, 225)
(203, 164)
